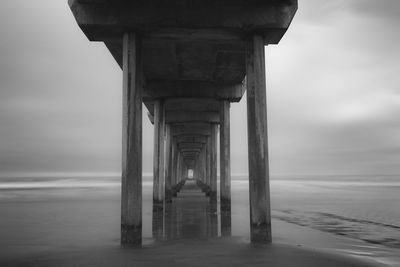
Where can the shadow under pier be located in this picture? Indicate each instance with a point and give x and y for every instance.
(191, 215)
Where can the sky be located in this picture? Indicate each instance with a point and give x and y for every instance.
(332, 89)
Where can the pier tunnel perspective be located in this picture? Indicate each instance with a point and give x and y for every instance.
(187, 71)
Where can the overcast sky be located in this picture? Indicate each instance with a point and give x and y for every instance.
(332, 85)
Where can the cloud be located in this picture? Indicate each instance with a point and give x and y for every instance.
(333, 90)
(385, 10)
(332, 86)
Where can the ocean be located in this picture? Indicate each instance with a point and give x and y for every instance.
(355, 215)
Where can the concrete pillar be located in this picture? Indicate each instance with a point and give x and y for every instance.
(213, 162)
(131, 188)
(196, 169)
(168, 165)
(181, 163)
(208, 159)
(184, 170)
(179, 167)
(158, 162)
(198, 166)
(201, 165)
(158, 170)
(204, 163)
(225, 157)
(174, 164)
(260, 214)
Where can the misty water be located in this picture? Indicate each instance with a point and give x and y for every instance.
(40, 215)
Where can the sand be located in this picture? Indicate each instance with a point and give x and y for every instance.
(82, 229)
(215, 252)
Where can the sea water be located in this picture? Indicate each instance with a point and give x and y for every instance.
(41, 214)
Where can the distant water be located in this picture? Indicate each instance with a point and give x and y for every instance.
(39, 213)
(365, 208)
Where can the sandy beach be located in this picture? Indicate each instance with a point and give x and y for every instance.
(79, 226)
(216, 252)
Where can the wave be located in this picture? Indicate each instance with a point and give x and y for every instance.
(369, 231)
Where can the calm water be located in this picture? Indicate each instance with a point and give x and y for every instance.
(43, 214)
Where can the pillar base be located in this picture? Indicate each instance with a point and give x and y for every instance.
(158, 205)
(260, 233)
(131, 235)
(158, 220)
(226, 223)
(168, 196)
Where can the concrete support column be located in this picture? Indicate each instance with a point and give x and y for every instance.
(193, 168)
(208, 161)
(197, 168)
(260, 213)
(196, 174)
(178, 167)
(131, 189)
(181, 169)
(225, 157)
(205, 163)
(168, 165)
(213, 162)
(201, 165)
(175, 165)
(184, 170)
(158, 162)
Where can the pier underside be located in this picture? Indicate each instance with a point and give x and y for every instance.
(187, 61)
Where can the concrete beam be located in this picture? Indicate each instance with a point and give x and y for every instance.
(191, 139)
(191, 154)
(192, 116)
(182, 110)
(199, 89)
(191, 129)
(190, 145)
(197, 151)
(108, 18)
(192, 104)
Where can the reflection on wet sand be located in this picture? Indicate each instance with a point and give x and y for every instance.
(191, 215)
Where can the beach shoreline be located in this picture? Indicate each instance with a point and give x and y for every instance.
(188, 252)
(80, 226)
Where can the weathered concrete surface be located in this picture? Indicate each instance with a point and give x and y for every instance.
(225, 158)
(188, 110)
(175, 159)
(193, 129)
(210, 19)
(201, 89)
(193, 49)
(191, 69)
(213, 162)
(131, 189)
(169, 164)
(192, 139)
(158, 156)
(260, 210)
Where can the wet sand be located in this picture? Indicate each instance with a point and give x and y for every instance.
(216, 252)
(81, 228)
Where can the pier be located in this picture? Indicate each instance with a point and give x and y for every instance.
(187, 61)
